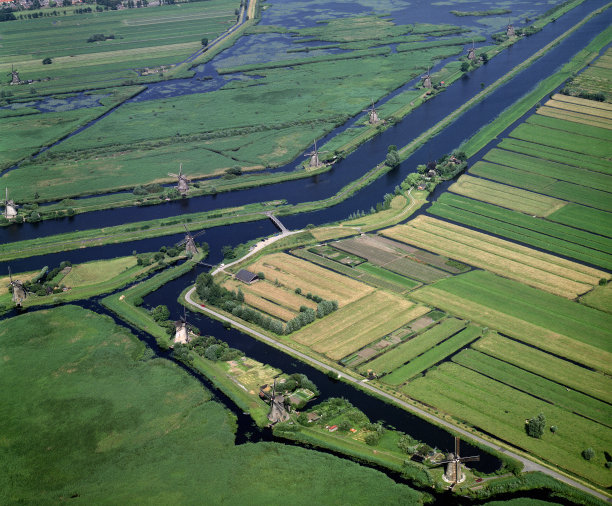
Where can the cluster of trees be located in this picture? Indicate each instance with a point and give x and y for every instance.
(295, 381)
(6, 14)
(392, 160)
(535, 426)
(214, 349)
(43, 283)
(97, 37)
(253, 316)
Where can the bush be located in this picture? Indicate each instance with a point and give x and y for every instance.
(372, 439)
(47, 61)
(160, 313)
(261, 275)
(588, 453)
(536, 425)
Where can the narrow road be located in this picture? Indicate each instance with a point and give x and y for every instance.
(528, 464)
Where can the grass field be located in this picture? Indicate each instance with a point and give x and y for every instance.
(599, 298)
(386, 275)
(546, 321)
(358, 324)
(503, 195)
(527, 265)
(550, 236)
(71, 427)
(583, 217)
(594, 79)
(433, 356)
(294, 273)
(548, 366)
(408, 350)
(463, 393)
(535, 385)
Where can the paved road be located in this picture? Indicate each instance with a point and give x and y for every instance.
(528, 464)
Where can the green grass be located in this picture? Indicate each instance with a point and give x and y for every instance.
(587, 218)
(433, 356)
(581, 129)
(409, 350)
(502, 410)
(554, 237)
(551, 169)
(543, 184)
(599, 298)
(386, 275)
(72, 428)
(548, 366)
(535, 385)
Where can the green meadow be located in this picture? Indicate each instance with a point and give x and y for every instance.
(71, 428)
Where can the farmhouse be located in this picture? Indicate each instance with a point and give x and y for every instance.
(247, 277)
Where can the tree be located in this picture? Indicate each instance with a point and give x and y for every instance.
(160, 313)
(47, 61)
(553, 428)
(465, 66)
(588, 454)
(204, 42)
(536, 425)
(392, 160)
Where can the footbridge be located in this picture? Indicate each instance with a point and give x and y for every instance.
(277, 222)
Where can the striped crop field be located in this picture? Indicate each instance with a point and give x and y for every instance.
(557, 155)
(386, 275)
(355, 325)
(547, 168)
(582, 101)
(411, 349)
(292, 273)
(551, 323)
(594, 79)
(433, 356)
(554, 237)
(535, 385)
(516, 199)
(576, 377)
(575, 117)
(501, 410)
(541, 270)
(543, 184)
(597, 114)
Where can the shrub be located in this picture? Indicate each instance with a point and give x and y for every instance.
(47, 61)
(588, 453)
(535, 426)
(372, 438)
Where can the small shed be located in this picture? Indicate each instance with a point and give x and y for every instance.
(247, 277)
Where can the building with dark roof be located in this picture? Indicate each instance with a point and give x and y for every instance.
(245, 276)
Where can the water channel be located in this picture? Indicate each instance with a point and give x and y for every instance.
(320, 187)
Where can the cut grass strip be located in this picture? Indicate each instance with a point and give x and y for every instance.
(582, 101)
(405, 352)
(580, 108)
(535, 385)
(433, 356)
(386, 275)
(544, 364)
(575, 117)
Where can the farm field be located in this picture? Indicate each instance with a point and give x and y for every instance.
(295, 273)
(355, 325)
(594, 79)
(586, 218)
(553, 237)
(433, 356)
(599, 298)
(415, 346)
(549, 322)
(558, 370)
(535, 268)
(463, 393)
(516, 199)
(535, 386)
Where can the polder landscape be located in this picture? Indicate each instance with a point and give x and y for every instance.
(338, 253)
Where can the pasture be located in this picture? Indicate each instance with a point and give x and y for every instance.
(546, 321)
(541, 270)
(415, 346)
(599, 298)
(357, 324)
(586, 218)
(594, 79)
(548, 366)
(553, 237)
(502, 410)
(292, 273)
(503, 195)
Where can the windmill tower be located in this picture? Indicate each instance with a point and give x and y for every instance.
(189, 242)
(181, 334)
(19, 292)
(10, 208)
(427, 79)
(453, 473)
(510, 30)
(472, 52)
(314, 156)
(277, 413)
(183, 181)
(14, 76)
(374, 119)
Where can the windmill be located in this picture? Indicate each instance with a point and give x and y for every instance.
(277, 413)
(10, 208)
(181, 334)
(183, 181)
(14, 76)
(510, 29)
(374, 119)
(472, 52)
(453, 473)
(314, 156)
(19, 292)
(427, 79)
(188, 241)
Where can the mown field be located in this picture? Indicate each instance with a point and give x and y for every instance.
(535, 268)
(72, 429)
(594, 79)
(549, 322)
(355, 325)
